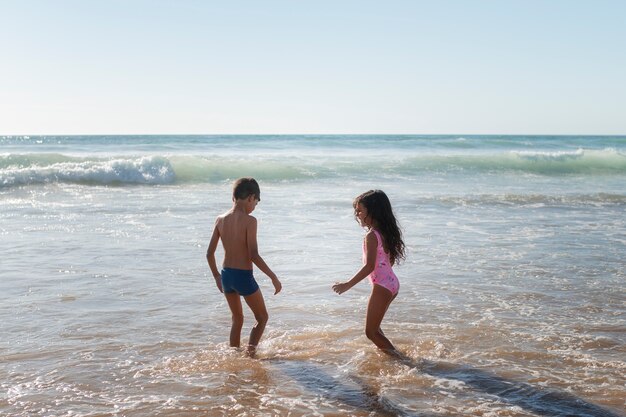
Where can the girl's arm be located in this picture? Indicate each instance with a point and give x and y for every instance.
(371, 244)
(253, 253)
(210, 256)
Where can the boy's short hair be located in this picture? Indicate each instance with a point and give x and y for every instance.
(245, 187)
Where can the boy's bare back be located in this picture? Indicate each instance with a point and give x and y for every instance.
(237, 229)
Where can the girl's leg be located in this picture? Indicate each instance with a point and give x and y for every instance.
(376, 308)
(387, 308)
(257, 304)
(234, 303)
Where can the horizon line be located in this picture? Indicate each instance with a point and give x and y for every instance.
(315, 134)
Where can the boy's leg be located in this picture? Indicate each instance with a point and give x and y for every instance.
(257, 304)
(376, 308)
(234, 303)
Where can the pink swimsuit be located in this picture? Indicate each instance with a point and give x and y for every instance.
(382, 274)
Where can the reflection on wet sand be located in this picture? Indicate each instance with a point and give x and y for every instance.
(320, 379)
(353, 391)
(538, 400)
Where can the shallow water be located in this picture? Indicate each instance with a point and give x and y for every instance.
(511, 302)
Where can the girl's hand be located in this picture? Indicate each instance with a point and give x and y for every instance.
(341, 287)
(277, 285)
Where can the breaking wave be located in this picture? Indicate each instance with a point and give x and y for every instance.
(586, 162)
(50, 168)
(43, 168)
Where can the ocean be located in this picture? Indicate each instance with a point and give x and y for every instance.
(512, 298)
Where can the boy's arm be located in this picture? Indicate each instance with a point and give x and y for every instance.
(371, 245)
(253, 253)
(210, 256)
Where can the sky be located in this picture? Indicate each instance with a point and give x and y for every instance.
(312, 67)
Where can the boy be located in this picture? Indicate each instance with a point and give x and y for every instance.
(237, 229)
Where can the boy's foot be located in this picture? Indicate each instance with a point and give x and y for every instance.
(251, 352)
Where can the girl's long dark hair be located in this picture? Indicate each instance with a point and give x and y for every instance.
(379, 210)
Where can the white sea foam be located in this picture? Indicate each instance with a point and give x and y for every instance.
(143, 170)
(558, 155)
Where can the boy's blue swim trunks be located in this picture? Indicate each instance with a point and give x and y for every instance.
(238, 280)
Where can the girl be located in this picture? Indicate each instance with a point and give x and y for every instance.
(382, 248)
